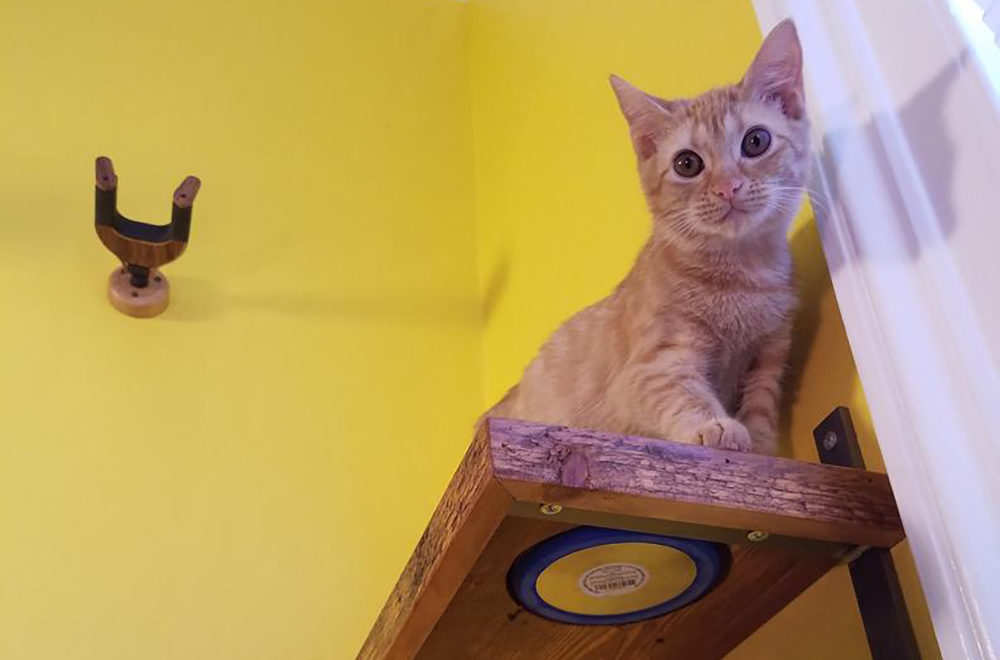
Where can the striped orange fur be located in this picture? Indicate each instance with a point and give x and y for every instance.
(691, 345)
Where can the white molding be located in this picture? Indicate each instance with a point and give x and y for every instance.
(908, 241)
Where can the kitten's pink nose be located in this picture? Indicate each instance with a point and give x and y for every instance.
(728, 187)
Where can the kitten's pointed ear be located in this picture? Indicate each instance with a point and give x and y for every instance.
(776, 71)
(645, 115)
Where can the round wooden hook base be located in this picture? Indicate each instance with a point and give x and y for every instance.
(144, 302)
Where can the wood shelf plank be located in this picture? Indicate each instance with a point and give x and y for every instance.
(688, 483)
(451, 600)
(483, 621)
(469, 513)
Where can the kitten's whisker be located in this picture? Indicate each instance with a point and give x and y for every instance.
(793, 196)
(816, 197)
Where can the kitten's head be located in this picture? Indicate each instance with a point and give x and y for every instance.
(730, 163)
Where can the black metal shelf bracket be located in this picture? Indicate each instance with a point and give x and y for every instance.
(873, 574)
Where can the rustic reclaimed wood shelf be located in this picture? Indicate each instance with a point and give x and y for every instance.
(451, 601)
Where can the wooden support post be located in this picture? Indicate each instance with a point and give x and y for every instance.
(876, 585)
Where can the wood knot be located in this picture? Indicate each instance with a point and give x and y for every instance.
(575, 470)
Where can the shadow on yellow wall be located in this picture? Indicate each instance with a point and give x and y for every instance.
(820, 367)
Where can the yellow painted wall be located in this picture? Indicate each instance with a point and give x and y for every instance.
(244, 477)
(561, 218)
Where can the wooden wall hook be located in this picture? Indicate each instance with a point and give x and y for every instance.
(138, 288)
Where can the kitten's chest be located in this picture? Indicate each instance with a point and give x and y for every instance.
(738, 322)
(740, 317)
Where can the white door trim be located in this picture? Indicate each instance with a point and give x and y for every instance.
(900, 233)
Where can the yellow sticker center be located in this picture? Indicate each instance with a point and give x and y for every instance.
(615, 578)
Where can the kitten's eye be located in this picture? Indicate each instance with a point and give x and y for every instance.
(756, 142)
(688, 164)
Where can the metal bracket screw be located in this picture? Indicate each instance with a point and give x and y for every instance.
(829, 440)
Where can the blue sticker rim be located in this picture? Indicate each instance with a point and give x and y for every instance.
(710, 560)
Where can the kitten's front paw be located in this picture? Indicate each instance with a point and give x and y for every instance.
(724, 433)
(763, 438)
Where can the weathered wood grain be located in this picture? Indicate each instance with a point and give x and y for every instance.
(658, 479)
(484, 622)
(469, 512)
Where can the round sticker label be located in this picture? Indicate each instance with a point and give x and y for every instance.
(613, 579)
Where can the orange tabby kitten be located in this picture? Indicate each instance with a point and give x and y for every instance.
(692, 344)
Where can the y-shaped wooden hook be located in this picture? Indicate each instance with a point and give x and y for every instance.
(138, 288)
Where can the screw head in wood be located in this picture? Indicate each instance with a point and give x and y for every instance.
(756, 536)
(550, 509)
(146, 302)
(829, 440)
